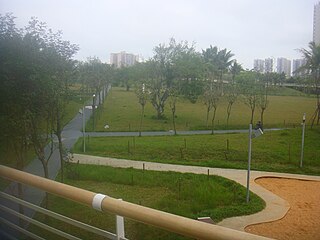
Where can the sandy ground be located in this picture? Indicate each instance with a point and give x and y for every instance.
(302, 220)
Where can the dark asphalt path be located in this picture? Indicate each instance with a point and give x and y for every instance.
(168, 133)
(71, 132)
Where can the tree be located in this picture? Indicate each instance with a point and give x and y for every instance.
(312, 57)
(216, 95)
(218, 62)
(188, 74)
(235, 69)
(160, 72)
(263, 95)
(142, 95)
(248, 83)
(231, 96)
(208, 101)
(172, 102)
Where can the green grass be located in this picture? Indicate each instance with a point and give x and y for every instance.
(270, 152)
(199, 196)
(121, 111)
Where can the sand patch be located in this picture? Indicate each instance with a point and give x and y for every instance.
(302, 220)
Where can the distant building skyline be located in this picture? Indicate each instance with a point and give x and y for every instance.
(316, 23)
(296, 64)
(258, 65)
(123, 59)
(284, 66)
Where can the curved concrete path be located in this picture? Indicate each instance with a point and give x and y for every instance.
(276, 207)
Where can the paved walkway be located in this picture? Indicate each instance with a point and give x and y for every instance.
(168, 133)
(276, 207)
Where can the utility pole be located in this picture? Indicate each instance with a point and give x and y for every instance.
(249, 163)
(302, 141)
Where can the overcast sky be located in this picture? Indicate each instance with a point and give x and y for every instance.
(249, 28)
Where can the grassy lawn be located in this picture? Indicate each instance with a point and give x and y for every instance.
(199, 195)
(122, 111)
(270, 152)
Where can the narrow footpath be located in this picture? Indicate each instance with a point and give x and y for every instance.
(276, 207)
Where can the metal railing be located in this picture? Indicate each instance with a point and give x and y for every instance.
(167, 221)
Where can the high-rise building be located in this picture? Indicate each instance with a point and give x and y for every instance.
(284, 66)
(296, 65)
(316, 24)
(258, 65)
(123, 59)
(268, 65)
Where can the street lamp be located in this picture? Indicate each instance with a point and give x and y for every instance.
(93, 108)
(302, 141)
(252, 134)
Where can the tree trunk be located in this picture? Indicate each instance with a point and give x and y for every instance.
(212, 121)
(46, 175)
(142, 113)
(252, 114)
(208, 112)
(174, 121)
(261, 115)
(228, 113)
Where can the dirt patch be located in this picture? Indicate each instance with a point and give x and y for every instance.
(302, 220)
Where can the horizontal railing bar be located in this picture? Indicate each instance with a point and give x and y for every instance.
(167, 221)
(60, 217)
(39, 224)
(20, 229)
(6, 235)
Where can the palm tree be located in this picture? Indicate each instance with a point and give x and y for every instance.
(235, 69)
(312, 57)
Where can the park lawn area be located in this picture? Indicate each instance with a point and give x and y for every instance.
(188, 195)
(122, 112)
(277, 151)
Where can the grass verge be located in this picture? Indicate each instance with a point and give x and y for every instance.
(277, 151)
(188, 195)
(121, 111)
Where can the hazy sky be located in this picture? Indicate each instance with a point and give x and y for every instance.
(249, 28)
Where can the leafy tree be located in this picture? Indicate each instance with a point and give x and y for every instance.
(248, 83)
(162, 75)
(232, 93)
(235, 69)
(172, 102)
(217, 61)
(188, 71)
(215, 95)
(263, 94)
(142, 95)
(312, 65)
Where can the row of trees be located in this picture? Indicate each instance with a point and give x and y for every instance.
(177, 69)
(35, 70)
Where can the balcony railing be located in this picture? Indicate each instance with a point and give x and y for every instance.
(170, 222)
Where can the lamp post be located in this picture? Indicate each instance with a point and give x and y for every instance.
(302, 140)
(93, 109)
(252, 134)
(249, 163)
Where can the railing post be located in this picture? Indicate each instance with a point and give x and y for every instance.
(120, 227)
